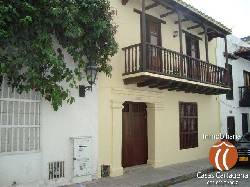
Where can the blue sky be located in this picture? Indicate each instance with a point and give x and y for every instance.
(235, 14)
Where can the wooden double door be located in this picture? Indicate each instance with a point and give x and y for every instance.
(134, 134)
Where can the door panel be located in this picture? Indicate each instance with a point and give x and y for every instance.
(231, 126)
(246, 78)
(192, 47)
(192, 50)
(134, 134)
(153, 35)
(244, 123)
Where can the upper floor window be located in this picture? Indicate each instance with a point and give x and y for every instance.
(246, 78)
(230, 94)
(19, 120)
(192, 46)
(188, 125)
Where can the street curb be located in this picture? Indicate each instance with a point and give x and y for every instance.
(178, 179)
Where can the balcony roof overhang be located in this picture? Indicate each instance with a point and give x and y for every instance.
(214, 28)
(143, 79)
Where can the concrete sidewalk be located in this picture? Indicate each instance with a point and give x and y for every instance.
(150, 177)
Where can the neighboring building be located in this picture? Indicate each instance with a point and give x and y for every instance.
(163, 93)
(36, 145)
(235, 106)
(246, 39)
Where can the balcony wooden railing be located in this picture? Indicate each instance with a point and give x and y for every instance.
(244, 96)
(171, 63)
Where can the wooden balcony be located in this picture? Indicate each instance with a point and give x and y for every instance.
(244, 96)
(166, 69)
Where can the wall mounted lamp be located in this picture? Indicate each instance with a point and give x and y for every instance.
(91, 72)
(175, 34)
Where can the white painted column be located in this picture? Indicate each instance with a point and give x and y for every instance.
(116, 164)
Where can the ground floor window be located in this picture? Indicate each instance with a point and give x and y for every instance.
(19, 120)
(188, 125)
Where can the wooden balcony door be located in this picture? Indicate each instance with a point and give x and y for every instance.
(134, 134)
(153, 37)
(246, 78)
(246, 90)
(192, 50)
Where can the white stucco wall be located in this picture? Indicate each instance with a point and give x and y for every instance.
(231, 107)
(78, 119)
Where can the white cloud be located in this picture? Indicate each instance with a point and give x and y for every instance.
(235, 14)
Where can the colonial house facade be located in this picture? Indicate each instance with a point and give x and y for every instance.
(163, 94)
(162, 98)
(41, 147)
(235, 105)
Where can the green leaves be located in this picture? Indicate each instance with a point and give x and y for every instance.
(28, 57)
(26, 20)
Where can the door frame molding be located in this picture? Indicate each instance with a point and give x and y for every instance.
(154, 108)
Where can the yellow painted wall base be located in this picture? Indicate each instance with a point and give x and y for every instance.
(162, 122)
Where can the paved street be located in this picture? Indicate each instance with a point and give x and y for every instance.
(148, 176)
(160, 177)
(244, 182)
